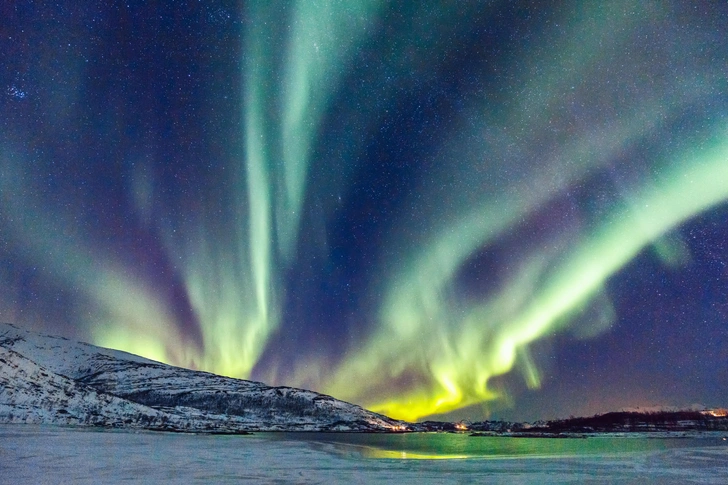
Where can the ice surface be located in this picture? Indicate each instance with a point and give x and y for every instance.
(43, 454)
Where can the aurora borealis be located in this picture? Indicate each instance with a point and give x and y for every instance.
(467, 209)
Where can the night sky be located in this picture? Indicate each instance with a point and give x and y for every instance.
(513, 210)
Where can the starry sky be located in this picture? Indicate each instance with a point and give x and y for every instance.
(513, 210)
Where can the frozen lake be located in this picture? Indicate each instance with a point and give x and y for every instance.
(45, 454)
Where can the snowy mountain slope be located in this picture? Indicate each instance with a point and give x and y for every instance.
(54, 380)
(31, 394)
(59, 354)
(164, 386)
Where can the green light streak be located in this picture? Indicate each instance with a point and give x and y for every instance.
(120, 306)
(260, 325)
(324, 33)
(231, 282)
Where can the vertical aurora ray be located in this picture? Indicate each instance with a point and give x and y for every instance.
(263, 319)
(230, 269)
(323, 35)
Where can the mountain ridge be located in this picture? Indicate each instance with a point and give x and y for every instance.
(53, 380)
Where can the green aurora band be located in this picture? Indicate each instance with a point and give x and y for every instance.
(455, 359)
(452, 350)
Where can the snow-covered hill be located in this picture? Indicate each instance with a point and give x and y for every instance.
(45, 379)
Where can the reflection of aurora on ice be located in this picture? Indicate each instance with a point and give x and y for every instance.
(579, 157)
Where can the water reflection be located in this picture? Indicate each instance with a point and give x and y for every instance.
(404, 455)
(459, 446)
